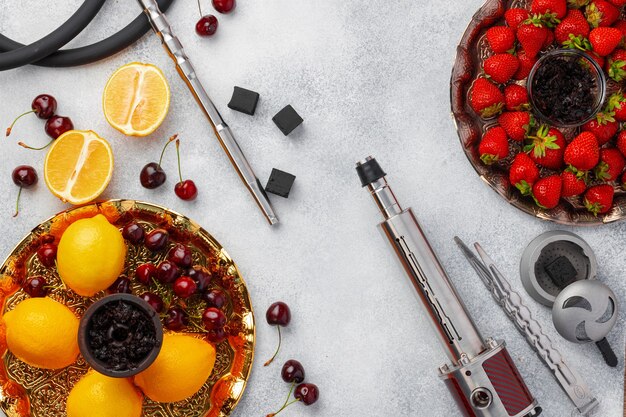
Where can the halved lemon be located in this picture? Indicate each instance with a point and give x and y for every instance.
(136, 99)
(78, 166)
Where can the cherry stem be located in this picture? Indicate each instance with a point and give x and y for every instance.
(180, 175)
(32, 148)
(16, 119)
(199, 8)
(280, 340)
(287, 404)
(170, 140)
(17, 203)
(293, 385)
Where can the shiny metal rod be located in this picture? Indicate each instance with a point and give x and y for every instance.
(186, 71)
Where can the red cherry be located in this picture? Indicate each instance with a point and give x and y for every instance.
(213, 318)
(24, 176)
(184, 287)
(216, 335)
(57, 125)
(167, 272)
(175, 318)
(157, 240)
(133, 232)
(44, 106)
(145, 273)
(201, 276)
(47, 254)
(215, 298)
(207, 25)
(278, 314)
(121, 285)
(186, 190)
(36, 286)
(292, 371)
(180, 255)
(224, 6)
(154, 300)
(307, 393)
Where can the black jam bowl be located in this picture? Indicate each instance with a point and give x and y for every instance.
(598, 89)
(119, 332)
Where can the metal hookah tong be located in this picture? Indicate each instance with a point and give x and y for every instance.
(481, 375)
(511, 302)
(223, 133)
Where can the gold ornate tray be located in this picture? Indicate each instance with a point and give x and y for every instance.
(471, 52)
(28, 391)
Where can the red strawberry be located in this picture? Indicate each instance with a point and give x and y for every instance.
(604, 40)
(514, 17)
(526, 64)
(494, 146)
(486, 98)
(616, 65)
(572, 184)
(604, 127)
(616, 104)
(556, 7)
(601, 13)
(573, 24)
(532, 36)
(547, 147)
(500, 38)
(523, 173)
(617, 3)
(599, 199)
(583, 152)
(621, 142)
(516, 97)
(547, 191)
(501, 67)
(516, 123)
(611, 164)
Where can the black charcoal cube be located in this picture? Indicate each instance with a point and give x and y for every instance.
(244, 101)
(287, 119)
(561, 272)
(280, 183)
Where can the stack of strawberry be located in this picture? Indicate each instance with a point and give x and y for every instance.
(590, 163)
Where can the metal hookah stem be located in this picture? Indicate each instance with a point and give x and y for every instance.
(454, 327)
(186, 71)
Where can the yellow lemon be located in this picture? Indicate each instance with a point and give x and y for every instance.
(182, 367)
(78, 166)
(97, 395)
(90, 255)
(42, 333)
(136, 99)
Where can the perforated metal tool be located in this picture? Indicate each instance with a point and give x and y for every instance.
(585, 312)
(554, 260)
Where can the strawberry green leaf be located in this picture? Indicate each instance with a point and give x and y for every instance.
(489, 159)
(524, 187)
(602, 171)
(492, 110)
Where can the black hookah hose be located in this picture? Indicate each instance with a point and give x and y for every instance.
(45, 52)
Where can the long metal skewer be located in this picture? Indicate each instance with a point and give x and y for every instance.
(175, 50)
(571, 382)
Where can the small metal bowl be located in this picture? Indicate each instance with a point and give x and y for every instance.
(85, 325)
(598, 90)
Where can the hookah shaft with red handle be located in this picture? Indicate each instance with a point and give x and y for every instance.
(482, 377)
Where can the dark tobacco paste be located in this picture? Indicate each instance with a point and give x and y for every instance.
(121, 335)
(563, 90)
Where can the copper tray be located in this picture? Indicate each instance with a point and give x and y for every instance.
(471, 52)
(29, 391)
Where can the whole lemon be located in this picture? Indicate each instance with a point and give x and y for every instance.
(182, 367)
(91, 255)
(42, 333)
(97, 395)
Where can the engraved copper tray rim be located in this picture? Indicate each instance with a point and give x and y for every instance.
(470, 127)
(14, 399)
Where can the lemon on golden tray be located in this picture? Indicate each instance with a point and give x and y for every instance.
(91, 255)
(43, 333)
(78, 166)
(97, 395)
(136, 99)
(182, 367)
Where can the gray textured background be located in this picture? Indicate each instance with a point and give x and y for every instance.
(368, 77)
